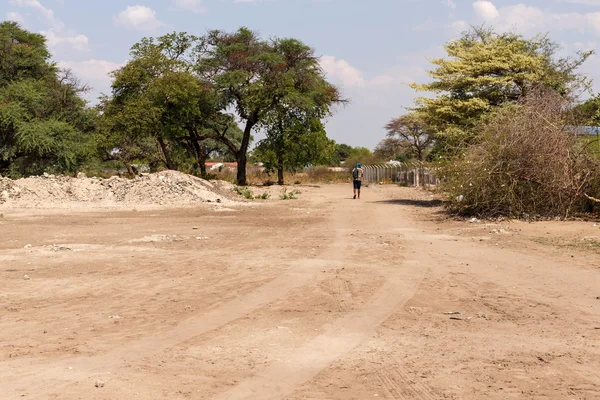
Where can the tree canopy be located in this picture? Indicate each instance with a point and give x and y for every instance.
(44, 123)
(483, 71)
(264, 81)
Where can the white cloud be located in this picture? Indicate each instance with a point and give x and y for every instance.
(139, 18)
(486, 10)
(46, 13)
(585, 2)
(342, 71)
(15, 17)
(196, 6)
(56, 35)
(93, 72)
(532, 20)
(449, 3)
(459, 26)
(56, 40)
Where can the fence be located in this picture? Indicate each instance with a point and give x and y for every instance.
(410, 175)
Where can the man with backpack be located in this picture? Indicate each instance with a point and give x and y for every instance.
(357, 175)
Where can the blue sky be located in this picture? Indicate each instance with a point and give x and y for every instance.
(371, 49)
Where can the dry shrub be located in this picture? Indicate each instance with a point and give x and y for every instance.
(527, 164)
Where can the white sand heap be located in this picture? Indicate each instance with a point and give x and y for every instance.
(164, 188)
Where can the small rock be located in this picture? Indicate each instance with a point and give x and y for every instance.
(81, 175)
(99, 384)
(115, 317)
(188, 308)
(5, 194)
(26, 277)
(28, 246)
(1, 216)
(202, 238)
(195, 228)
(474, 220)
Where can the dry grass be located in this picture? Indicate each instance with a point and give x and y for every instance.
(315, 175)
(527, 164)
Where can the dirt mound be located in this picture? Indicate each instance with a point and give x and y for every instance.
(164, 188)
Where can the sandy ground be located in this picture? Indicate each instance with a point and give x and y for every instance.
(318, 298)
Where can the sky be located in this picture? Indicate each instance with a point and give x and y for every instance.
(371, 49)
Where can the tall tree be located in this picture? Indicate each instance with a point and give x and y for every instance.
(412, 134)
(253, 76)
(44, 122)
(294, 147)
(485, 70)
(158, 96)
(305, 98)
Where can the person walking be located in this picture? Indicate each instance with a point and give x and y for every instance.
(357, 176)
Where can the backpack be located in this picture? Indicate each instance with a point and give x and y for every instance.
(355, 173)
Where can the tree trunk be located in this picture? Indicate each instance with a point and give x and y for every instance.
(201, 156)
(167, 154)
(280, 167)
(129, 168)
(242, 155)
(4, 164)
(202, 163)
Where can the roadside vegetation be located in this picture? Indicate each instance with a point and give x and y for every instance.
(501, 121)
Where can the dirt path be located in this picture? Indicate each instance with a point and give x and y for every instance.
(320, 298)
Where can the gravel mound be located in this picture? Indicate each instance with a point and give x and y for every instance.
(161, 189)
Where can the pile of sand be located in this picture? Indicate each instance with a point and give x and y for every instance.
(161, 189)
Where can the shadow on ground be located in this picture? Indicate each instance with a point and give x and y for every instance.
(413, 203)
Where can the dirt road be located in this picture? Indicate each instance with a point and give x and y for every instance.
(318, 298)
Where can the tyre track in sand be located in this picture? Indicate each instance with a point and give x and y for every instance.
(43, 379)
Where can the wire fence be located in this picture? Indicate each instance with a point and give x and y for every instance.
(402, 174)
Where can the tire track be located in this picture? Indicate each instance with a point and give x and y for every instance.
(283, 377)
(46, 378)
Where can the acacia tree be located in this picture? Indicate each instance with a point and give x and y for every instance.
(44, 122)
(292, 148)
(295, 134)
(483, 71)
(254, 76)
(413, 135)
(158, 97)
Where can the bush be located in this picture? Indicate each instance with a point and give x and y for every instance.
(285, 195)
(244, 191)
(527, 164)
(264, 196)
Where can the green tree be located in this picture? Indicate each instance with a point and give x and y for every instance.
(157, 97)
(304, 99)
(389, 148)
(253, 76)
(483, 71)
(342, 152)
(295, 148)
(44, 122)
(413, 135)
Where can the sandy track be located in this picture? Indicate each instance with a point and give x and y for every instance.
(321, 298)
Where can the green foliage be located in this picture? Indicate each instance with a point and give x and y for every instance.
(292, 195)
(525, 165)
(293, 150)
(44, 123)
(483, 71)
(264, 196)
(359, 155)
(342, 152)
(245, 192)
(266, 82)
(412, 135)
